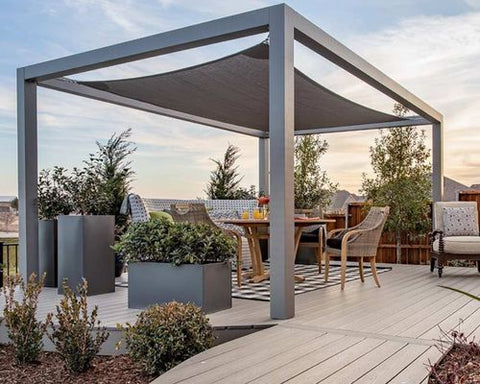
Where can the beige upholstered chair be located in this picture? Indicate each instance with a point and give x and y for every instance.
(455, 235)
(359, 242)
(197, 214)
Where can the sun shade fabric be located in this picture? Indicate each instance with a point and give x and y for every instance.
(234, 90)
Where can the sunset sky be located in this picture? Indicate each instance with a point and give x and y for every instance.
(432, 47)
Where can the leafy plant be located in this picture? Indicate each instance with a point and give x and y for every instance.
(312, 187)
(165, 335)
(23, 329)
(75, 337)
(177, 243)
(400, 161)
(54, 197)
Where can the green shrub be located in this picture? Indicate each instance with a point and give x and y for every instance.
(165, 335)
(24, 331)
(177, 243)
(75, 337)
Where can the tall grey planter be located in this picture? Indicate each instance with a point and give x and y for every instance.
(47, 251)
(84, 252)
(207, 285)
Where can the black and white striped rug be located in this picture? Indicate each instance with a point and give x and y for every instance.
(313, 280)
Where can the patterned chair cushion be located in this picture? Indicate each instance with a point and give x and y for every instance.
(460, 221)
(138, 210)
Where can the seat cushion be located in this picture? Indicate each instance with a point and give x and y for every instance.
(335, 242)
(466, 245)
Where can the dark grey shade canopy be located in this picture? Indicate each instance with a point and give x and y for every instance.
(234, 90)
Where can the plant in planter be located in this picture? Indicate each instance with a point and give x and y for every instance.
(53, 200)
(177, 261)
(97, 190)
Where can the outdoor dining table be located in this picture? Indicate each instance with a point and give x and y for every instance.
(257, 229)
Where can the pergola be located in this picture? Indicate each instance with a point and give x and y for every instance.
(256, 92)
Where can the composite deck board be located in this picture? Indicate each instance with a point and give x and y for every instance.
(364, 334)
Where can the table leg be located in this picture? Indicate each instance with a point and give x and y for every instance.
(261, 273)
(298, 235)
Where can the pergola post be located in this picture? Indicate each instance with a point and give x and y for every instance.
(281, 126)
(263, 166)
(27, 174)
(437, 161)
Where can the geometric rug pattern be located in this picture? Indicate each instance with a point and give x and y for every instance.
(313, 280)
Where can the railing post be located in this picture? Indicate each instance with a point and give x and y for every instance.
(1, 264)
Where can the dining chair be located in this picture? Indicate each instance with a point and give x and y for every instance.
(359, 242)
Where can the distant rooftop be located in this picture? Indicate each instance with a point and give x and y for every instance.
(7, 199)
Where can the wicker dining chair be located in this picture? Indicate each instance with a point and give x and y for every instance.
(360, 242)
(196, 213)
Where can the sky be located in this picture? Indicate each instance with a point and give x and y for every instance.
(431, 47)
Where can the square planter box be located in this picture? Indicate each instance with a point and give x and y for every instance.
(207, 285)
(84, 252)
(47, 251)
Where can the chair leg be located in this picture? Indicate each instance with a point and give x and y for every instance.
(360, 268)
(343, 270)
(327, 265)
(239, 265)
(440, 266)
(373, 265)
(432, 264)
(319, 260)
(478, 265)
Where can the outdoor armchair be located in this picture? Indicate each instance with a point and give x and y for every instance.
(196, 213)
(455, 235)
(360, 242)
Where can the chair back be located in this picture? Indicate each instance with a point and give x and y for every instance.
(438, 211)
(194, 213)
(366, 243)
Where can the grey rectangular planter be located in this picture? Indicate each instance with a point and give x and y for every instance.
(84, 252)
(207, 285)
(47, 251)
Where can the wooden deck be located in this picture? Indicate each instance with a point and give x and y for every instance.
(362, 335)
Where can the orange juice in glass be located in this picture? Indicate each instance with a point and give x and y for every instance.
(257, 214)
(245, 215)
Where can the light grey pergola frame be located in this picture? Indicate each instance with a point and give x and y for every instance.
(284, 26)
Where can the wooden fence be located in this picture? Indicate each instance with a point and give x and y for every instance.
(414, 251)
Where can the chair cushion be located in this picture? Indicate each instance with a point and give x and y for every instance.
(460, 221)
(335, 242)
(467, 245)
(157, 215)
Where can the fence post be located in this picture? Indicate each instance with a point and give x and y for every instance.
(1, 264)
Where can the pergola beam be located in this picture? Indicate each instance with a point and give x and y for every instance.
(74, 88)
(414, 121)
(224, 29)
(325, 45)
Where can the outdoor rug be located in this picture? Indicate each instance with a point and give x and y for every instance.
(313, 280)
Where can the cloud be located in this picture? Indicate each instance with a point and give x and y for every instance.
(435, 58)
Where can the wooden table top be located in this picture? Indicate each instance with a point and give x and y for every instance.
(298, 221)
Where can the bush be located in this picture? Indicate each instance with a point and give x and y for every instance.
(165, 335)
(74, 336)
(24, 331)
(177, 243)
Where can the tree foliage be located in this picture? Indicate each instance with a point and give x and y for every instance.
(402, 168)
(312, 186)
(225, 180)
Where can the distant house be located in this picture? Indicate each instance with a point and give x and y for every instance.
(6, 203)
